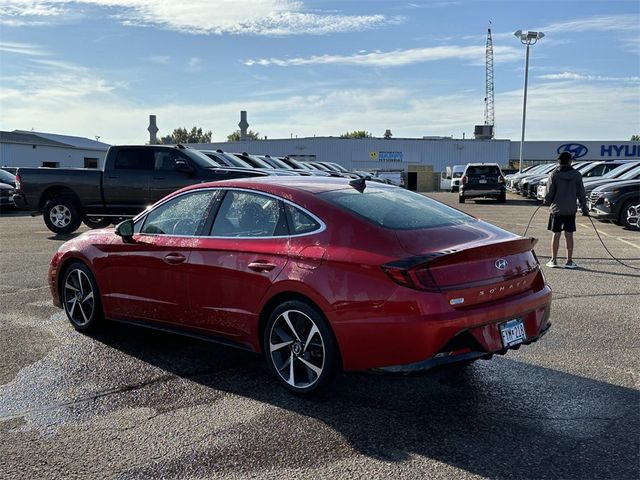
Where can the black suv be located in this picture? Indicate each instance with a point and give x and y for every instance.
(618, 202)
(482, 180)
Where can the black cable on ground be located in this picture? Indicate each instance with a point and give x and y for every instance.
(605, 247)
(597, 234)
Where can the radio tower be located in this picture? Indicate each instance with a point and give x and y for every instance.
(489, 118)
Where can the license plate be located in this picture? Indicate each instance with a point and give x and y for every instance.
(512, 332)
(483, 181)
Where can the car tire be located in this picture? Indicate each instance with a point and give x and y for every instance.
(300, 348)
(502, 198)
(96, 222)
(626, 214)
(61, 215)
(461, 199)
(80, 298)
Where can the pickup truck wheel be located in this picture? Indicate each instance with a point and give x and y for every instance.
(96, 222)
(61, 215)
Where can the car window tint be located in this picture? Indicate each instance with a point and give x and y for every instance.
(165, 160)
(483, 170)
(246, 214)
(134, 159)
(183, 215)
(396, 208)
(300, 222)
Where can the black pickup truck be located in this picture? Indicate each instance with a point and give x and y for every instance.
(134, 177)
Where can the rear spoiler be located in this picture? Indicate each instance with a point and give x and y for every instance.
(447, 257)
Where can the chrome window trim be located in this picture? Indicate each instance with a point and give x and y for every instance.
(142, 215)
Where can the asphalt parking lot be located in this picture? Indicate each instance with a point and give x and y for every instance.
(134, 403)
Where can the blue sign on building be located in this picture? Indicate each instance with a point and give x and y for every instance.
(390, 156)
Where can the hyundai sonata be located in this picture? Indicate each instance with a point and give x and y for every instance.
(319, 274)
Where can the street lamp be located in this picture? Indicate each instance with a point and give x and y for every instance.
(526, 38)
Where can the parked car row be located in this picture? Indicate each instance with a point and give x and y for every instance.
(612, 188)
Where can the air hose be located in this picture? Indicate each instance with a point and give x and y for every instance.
(597, 234)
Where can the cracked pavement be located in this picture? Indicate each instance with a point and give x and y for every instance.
(131, 403)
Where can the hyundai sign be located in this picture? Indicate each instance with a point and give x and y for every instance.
(605, 150)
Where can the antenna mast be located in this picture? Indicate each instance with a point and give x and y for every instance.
(489, 114)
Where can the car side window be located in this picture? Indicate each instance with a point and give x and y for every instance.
(247, 214)
(165, 160)
(182, 216)
(300, 222)
(134, 159)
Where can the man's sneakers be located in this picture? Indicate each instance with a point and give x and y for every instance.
(554, 264)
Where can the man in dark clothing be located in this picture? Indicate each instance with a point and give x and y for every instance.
(563, 189)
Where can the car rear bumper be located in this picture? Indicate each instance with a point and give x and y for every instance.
(417, 340)
(475, 192)
(20, 201)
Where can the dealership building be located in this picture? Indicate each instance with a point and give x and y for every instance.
(428, 154)
(437, 152)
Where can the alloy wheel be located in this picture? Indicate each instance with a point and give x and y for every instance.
(297, 349)
(79, 297)
(60, 216)
(633, 216)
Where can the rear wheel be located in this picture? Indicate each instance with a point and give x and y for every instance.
(299, 347)
(96, 222)
(81, 298)
(62, 215)
(460, 199)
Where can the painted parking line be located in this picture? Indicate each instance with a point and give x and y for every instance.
(605, 234)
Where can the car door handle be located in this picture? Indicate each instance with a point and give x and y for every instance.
(174, 258)
(261, 266)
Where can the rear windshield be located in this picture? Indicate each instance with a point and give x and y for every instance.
(396, 208)
(483, 170)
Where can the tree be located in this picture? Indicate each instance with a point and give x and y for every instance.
(635, 138)
(182, 135)
(357, 134)
(235, 136)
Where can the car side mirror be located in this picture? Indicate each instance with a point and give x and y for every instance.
(183, 166)
(125, 230)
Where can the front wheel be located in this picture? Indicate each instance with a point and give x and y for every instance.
(299, 347)
(62, 215)
(81, 298)
(629, 214)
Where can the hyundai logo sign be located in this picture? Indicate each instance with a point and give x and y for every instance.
(576, 150)
(501, 264)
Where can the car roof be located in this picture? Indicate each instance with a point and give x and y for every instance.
(270, 184)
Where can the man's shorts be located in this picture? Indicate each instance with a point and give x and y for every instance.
(558, 223)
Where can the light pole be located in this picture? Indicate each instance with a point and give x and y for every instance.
(526, 38)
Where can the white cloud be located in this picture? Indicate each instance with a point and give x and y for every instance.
(22, 49)
(598, 23)
(573, 76)
(239, 17)
(396, 58)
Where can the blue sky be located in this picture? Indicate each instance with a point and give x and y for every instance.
(311, 67)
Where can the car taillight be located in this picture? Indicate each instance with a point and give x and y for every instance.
(418, 277)
(465, 180)
(18, 183)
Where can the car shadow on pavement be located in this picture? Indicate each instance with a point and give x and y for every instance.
(499, 419)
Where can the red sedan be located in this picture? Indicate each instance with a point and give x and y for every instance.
(318, 274)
